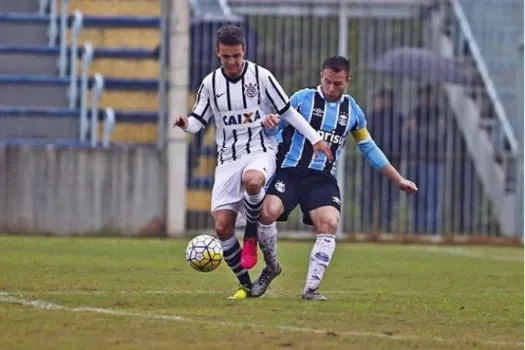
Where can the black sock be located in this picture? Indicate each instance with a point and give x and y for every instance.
(252, 206)
(232, 256)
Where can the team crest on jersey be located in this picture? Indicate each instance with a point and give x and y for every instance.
(280, 186)
(343, 119)
(251, 90)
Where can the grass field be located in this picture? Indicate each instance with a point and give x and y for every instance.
(80, 293)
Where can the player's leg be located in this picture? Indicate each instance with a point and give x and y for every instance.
(322, 205)
(281, 199)
(226, 198)
(254, 177)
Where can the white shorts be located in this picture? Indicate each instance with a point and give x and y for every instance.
(227, 190)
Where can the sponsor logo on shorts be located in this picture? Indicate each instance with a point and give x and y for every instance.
(336, 200)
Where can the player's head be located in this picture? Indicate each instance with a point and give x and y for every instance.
(335, 77)
(231, 47)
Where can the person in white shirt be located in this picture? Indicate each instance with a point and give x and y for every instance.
(239, 95)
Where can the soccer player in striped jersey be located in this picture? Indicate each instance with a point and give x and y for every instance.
(239, 95)
(310, 182)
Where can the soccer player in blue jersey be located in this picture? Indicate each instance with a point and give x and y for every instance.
(308, 180)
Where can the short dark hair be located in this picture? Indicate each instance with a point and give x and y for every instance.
(337, 64)
(230, 35)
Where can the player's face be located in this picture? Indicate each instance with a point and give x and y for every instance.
(231, 58)
(334, 84)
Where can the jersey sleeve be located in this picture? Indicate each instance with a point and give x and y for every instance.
(358, 130)
(297, 99)
(274, 93)
(202, 110)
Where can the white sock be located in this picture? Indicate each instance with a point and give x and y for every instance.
(229, 243)
(267, 237)
(319, 260)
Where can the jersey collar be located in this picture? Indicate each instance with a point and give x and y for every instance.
(236, 79)
(320, 92)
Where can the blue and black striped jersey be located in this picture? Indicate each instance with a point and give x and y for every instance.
(334, 121)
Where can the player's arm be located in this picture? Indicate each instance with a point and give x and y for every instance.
(280, 101)
(374, 155)
(369, 149)
(273, 124)
(201, 113)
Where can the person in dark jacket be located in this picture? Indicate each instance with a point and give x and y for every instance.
(379, 198)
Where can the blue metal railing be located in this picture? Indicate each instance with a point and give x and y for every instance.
(53, 28)
(87, 58)
(96, 94)
(62, 58)
(75, 34)
(109, 126)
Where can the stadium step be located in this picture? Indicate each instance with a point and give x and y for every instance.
(130, 100)
(118, 7)
(33, 91)
(38, 122)
(28, 59)
(23, 28)
(125, 68)
(19, 6)
(133, 38)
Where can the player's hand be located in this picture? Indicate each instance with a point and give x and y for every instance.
(181, 121)
(407, 186)
(323, 147)
(271, 121)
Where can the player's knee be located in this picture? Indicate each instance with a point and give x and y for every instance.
(270, 212)
(327, 224)
(253, 182)
(224, 229)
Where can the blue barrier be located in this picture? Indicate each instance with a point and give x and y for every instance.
(17, 142)
(29, 49)
(99, 52)
(199, 182)
(24, 17)
(122, 84)
(33, 79)
(8, 111)
(136, 116)
(88, 21)
(121, 22)
(125, 53)
(131, 84)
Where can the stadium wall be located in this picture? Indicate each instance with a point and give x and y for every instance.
(71, 191)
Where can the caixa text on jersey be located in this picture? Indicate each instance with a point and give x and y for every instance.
(241, 118)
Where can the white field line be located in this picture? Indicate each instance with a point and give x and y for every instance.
(45, 305)
(457, 251)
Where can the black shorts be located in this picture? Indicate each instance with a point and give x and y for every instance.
(311, 189)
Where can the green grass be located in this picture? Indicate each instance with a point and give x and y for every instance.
(381, 297)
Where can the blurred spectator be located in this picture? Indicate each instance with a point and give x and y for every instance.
(379, 197)
(425, 130)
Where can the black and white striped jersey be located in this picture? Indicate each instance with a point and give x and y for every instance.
(238, 107)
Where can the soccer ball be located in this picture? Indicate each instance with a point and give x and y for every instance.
(204, 253)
